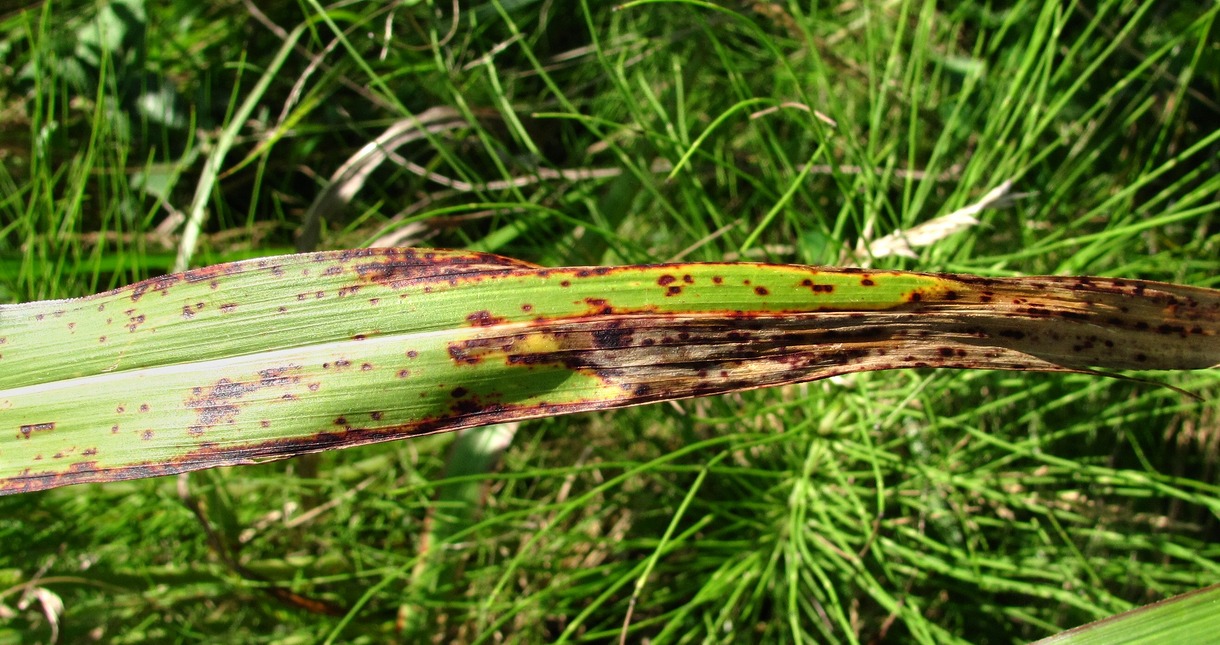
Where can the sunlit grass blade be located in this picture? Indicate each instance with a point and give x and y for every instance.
(1188, 618)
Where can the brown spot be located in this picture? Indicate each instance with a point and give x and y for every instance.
(228, 307)
(135, 322)
(340, 421)
(673, 291)
(817, 288)
(527, 308)
(565, 283)
(458, 392)
(867, 282)
(717, 279)
(161, 283)
(144, 407)
(26, 430)
(101, 339)
(264, 423)
(147, 434)
(220, 403)
(412, 353)
(612, 337)
(364, 367)
(762, 291)
(483, 318)
(376, 415)
(313, 387)
(403, 373)
(666, 280)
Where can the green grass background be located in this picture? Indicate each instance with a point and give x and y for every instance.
(911, 506)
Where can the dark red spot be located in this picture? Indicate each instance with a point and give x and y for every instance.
(673, 291)
(458, 392)
(867, 282)
(358, 337)
(364, 367)
(403, 373)
(717, 280)
(340, 421)
(527, 308)
(666, 280)
(412, 353)
(565, 283)
(762, 291)
(687, 279)
(376, 415)
(951, 295)
(144, 407)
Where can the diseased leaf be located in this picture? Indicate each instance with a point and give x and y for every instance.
(270, 358)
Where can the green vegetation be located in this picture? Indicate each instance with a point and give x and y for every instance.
(911, 506)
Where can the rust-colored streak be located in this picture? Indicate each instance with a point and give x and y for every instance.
(401, 268)
(161, 284)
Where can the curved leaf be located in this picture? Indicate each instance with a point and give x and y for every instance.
(280, 356)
